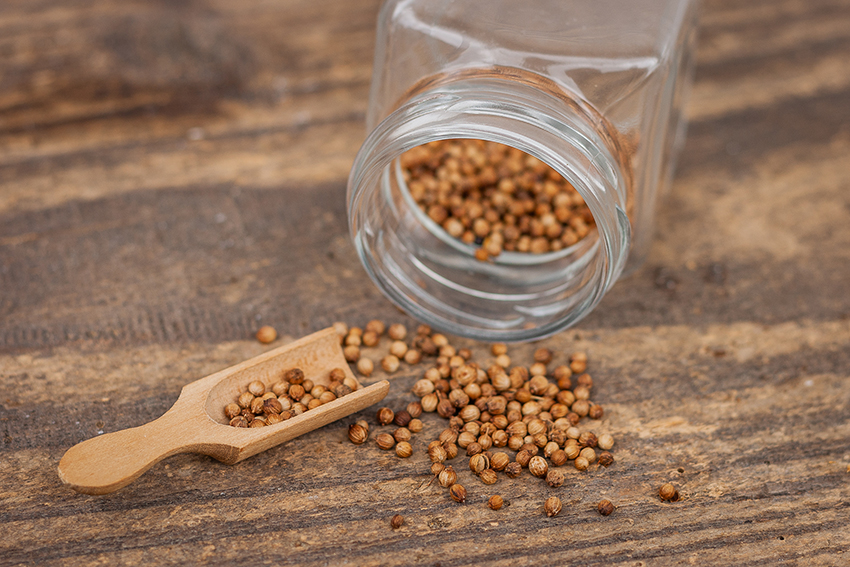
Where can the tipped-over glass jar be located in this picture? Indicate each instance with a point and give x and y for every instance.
(593, 90)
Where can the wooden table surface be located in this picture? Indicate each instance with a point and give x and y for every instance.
(172, 176)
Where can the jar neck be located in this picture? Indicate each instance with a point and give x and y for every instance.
(436, 279)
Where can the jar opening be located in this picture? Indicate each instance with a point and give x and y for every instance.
(441, 278)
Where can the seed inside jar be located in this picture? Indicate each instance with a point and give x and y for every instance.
(495, 197)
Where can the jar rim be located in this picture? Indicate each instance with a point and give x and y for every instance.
(498, 110)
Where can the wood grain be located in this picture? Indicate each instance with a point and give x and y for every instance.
(172, 176)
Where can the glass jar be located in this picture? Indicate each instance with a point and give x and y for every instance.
(594, 90)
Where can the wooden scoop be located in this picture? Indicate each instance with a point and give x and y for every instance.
(196, 422)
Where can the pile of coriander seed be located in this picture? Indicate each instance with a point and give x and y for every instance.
(495, 197)
(293, 395)
(502, 420)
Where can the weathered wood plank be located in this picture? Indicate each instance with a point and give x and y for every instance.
(172, 175)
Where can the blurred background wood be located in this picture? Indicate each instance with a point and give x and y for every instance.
(172, 176)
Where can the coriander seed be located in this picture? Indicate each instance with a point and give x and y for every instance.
(606, 459)
(437, 453)
(537, 369)
(397, 332)
(437, 468)
(513, 470)
(257, 388)
(465, 439)
(401, 434)
(266, 334)
(385, 441)
(376, 326)
(353, 340)
(370, 339)
(429, 402)
(488, 476)
(559, 458)
(668, 493)
(402, 418)
(581, 463)
(414, 409)
(485, 441)
(232, 410)
(588, 453)
(296, 392)
(295, 376)
(588, 439)
(351, 383)
(448, 435)
(554, 478)
(385, 416)
(397, 521)
(341, 329)
(478, 463)
(272, 405)
(595, 411)
(415, 425)
(390, 363)
(523, 458)
(404, 449)
(581, 392)
(273, 418)
(413, 356)
(538, 466)
(499, 349)
(605, 507)
(458, 493)
(495, 502)
(451, 450)
(422, 388)
(365, 366)
(239, 421)
(446, 409)
(398, 349)
(581, 408)
(257, 406)
(543, 355)
(605, 442)
(351, 353)
(447, 477)
(552, 506)
(499, 461)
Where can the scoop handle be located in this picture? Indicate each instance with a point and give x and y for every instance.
(108, 462)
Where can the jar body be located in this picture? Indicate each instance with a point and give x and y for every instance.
(593, 89)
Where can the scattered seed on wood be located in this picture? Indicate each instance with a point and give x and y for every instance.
(668, 493)
(266, 334)
(552, 506)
